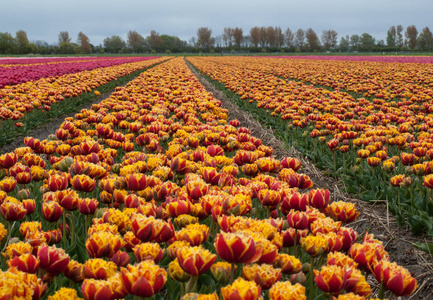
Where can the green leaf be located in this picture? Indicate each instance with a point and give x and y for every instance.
(426, 247)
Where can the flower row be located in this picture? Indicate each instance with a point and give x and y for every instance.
(17, 74)
(42, 93)
(176, 194)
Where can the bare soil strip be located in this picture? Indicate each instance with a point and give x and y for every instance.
(374, 218)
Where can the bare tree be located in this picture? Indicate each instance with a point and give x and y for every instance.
(271, 36)
(329, 39)
(263, 37)
(228, 36)
(64, 37)
(155, 41)
(289, 36)
(135, 40)
(84, 43)
(204, 39)
(300, 39)
(411, 34)
(238, 36)
(255, 36)
(280, 37)
(313, 42)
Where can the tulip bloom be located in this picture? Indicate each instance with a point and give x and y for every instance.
(148, 251)
(395, 278)
(93, 289)
(58, 182)
(298, 219)
(176, 272)
(52, 211)
(53, 260)
(195, 260)
(319, 198)
(26, 263)
(8, 184)
(343, 211)
(7, 160)
(83, 183)
(264, 275)
(284, 290)
(236, 248)
(241, 290)
(330, 279)
(103, 244)
(143, 279)
(12, 211)
(99, 269)
(288, 264)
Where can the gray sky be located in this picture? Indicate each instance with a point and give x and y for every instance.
(44, 19)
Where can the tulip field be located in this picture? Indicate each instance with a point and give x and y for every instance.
(154, 192)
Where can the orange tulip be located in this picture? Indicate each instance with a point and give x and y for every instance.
(330, 279)
(53, 260)
(395, 278)
(143, 279)
(26, 263)
(236, 248)
(195, 260)
(241, 290)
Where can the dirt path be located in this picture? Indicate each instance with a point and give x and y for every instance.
(373, 218)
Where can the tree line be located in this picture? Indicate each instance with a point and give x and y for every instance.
(258, 39)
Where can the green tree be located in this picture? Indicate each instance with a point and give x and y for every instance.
(344, 43)
(22, 43)
(391, 36)
(114, 44)
(425, 39)
(366, 42)
(399, 36)
(354, 42)
(7, 43)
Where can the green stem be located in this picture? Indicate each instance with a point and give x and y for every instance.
(182, 289)
(72, 227)
(310, 283)
(64, 229)
(381, 291)
(191, 285)
(232, 273)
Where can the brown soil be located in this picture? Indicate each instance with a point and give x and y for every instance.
(374, 218)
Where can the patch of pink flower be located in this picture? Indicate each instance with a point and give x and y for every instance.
(390, 59)
(34, 69)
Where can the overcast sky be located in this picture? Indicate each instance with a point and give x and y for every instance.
(98, 19)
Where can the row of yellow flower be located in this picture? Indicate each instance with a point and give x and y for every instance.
(42, 93)
(390, 134)
(165, 176)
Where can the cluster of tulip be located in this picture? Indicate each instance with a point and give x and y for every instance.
(181, 203)
(16, 71)
(24, 70)
(364, 134)
(54, 86)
